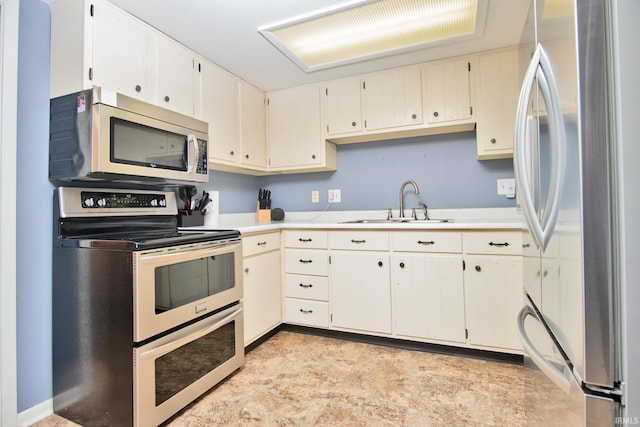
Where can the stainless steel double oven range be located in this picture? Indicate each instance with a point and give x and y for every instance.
(145, 318)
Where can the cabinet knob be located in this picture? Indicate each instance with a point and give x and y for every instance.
(492, 140)
(353, 124)
(435, 114)
(138, 88)
(246, 156)
(478, 268)
(413, 116)
(313, 156)
(402, 265)
(166, 98)
(380, 264)
(232, 152)
(246, 270)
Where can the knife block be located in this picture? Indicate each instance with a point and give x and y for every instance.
(263, 216)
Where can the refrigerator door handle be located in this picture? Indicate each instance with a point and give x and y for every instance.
(540, 69)
(559, 378)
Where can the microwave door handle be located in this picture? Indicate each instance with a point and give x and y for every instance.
(543, 364)
(193, 152)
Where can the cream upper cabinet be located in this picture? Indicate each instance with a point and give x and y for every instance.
(446, 90)
(294, 131)
(342, 106)
(253, 126)
(124, 53)
(392, 98)
(220, 106)
(498, 87)
(94, 43)
(178, 76)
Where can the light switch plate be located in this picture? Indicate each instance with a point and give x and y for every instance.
(334, 196)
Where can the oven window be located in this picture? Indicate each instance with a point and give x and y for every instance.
(136, 144)
(186, 282)
(182, 367)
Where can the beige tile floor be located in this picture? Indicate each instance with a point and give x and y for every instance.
(296, 379)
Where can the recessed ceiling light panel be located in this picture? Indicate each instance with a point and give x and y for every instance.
(360, 30)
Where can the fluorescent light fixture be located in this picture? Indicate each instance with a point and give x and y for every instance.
(361, 30)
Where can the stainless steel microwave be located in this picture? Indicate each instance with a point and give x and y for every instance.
(99, 134)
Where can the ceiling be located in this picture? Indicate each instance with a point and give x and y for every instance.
(225, 32)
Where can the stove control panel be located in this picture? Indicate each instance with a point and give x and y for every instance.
(103, 202)
(101, 199)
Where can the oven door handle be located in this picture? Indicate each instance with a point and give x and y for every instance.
(185, 335)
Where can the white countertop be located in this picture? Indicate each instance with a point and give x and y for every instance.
(461, 219)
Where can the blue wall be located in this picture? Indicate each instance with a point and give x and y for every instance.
(368, 174)
(34, 206)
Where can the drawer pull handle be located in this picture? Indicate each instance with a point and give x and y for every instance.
(302, 285)
(305, 240)
(499, 244)
(428, 242)
(302, 310)
(306, 261)
(358, 241)
(262, 243)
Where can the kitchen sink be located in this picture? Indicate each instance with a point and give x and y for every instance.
(395, 221)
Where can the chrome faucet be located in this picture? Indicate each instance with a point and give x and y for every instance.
(404, 184)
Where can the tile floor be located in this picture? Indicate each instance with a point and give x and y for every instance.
(296, 379)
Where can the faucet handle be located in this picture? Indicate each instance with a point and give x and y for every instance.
(424, 210)
(414, 214)
(389, 213)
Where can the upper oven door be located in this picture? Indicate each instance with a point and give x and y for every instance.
(175, 285)
(135, 144)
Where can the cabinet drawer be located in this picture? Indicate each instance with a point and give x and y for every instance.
(427, 241)
(260, 243)
(305, 239)
(306, 262)
(493, 242)
(306, 312)
(307, 287)
(359, 240)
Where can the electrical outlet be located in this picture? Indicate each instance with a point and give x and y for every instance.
(315, 196)
(334, 196)
(507, 187)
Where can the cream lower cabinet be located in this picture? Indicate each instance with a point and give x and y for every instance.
(427, 286)
(493, 280)
(261, 284)
(306, 265)
(359, 281)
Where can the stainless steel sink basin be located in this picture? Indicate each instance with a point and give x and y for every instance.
(395, 221)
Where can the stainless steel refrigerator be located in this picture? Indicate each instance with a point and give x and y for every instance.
(564, 162)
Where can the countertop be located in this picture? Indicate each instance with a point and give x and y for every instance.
(461, 219)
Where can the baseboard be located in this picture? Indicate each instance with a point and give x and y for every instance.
(35, 413)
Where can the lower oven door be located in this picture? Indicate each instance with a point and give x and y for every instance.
(173, 370)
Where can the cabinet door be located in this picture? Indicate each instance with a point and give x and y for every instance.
(392, 98)
(446, 90)
(360, 297)
(220, 108)
(294, 128)
(493, 291)
(342, 108)
(177, 72)
(123, 53)
(428, 296)
(252, 126)
(262, 295)
(497, 99)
